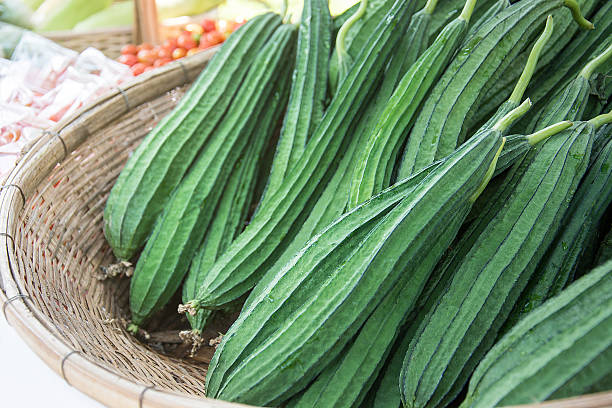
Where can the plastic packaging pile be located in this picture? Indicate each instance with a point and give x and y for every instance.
(43, 83)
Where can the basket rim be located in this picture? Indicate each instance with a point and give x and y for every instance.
(89, 377)
(34, 327)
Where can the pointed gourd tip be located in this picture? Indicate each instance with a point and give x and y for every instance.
(489, 174)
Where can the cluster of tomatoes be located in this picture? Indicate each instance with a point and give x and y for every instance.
(193, 39)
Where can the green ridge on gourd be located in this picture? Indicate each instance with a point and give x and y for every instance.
(395, 119)
(308, 90)
(494, 271)
(159, 163)
(490, 12)
(439, 126)
(559, 350)
(181, 227)
(231, 212)
(262, 242)
(320, 299)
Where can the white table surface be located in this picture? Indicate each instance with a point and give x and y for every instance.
(25, 381)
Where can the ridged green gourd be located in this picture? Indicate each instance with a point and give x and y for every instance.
(577, 235)
(332, 202)
(181, 227)
(308, 90)
(399, 110)
(323, 295)
(272, 227)
(561, 349)
(489, 279)
(440, 123)
(162, 159)
(231, 213)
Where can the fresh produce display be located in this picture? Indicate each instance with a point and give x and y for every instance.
(193, 39)
(379, 203)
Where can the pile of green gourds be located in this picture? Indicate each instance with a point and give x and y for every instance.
(409, 202)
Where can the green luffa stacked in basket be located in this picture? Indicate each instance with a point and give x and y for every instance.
(409, 203)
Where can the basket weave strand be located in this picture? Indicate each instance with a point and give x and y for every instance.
(52, 245)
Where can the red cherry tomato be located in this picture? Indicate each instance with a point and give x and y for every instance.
(208, 25)
(129, 49)
(186, 41)
(161, 62)
(214, 37)
(128, 59)
(204, 44)
(179, 53)
(145, 46)
(146, 56)
(164, 53)
(169, 44)
(147, 69)
(138, 68)
(193, 51)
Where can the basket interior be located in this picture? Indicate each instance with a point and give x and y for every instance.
(60, 246)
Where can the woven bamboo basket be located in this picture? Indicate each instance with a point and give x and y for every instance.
(52, 244)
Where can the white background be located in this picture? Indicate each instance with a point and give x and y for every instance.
(25, 381)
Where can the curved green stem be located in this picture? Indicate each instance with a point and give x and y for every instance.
(468, 8)
(489, 173)
(547, 132)
(601, 120)
(341, 37)
(589, 68)
(532, 61)
(512, 116)
(430, 6)
(577, 15)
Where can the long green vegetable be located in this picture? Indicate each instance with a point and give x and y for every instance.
(369, 174)
(181, 227)
(494, 272)
(270, 230)
(157, 166)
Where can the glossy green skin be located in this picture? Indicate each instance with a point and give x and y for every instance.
(181, 227)
(399, 111)
(561, 349)
(321, 298)
(440, 123)
(273, 225)
(351, 378)
(308, 90)
(579, 233)
(491, 275)
(231, 212)
(160, 162)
